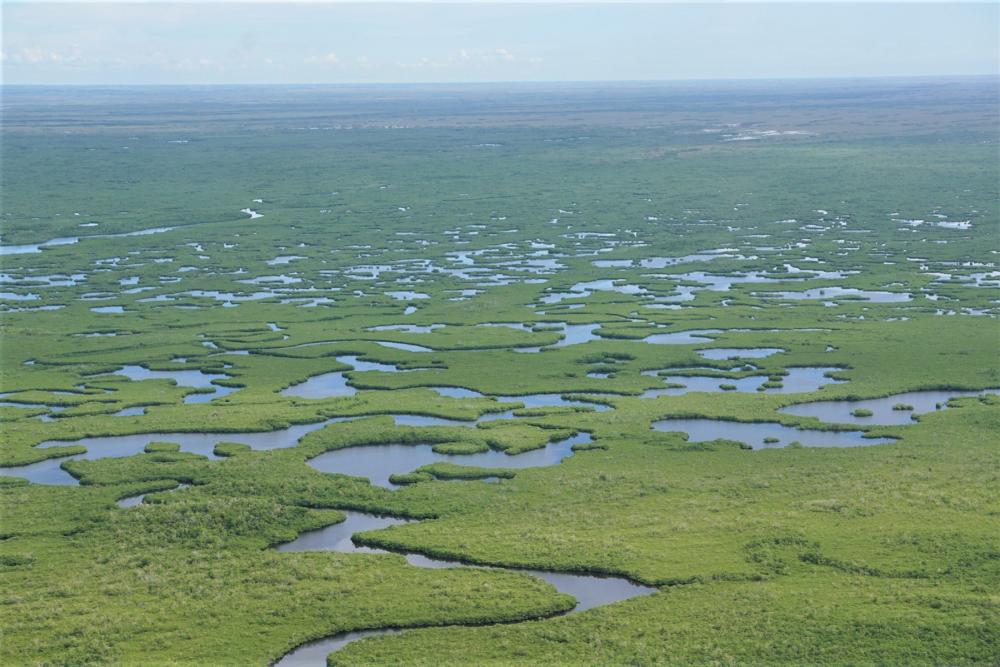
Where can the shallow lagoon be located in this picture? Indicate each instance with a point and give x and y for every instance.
(326, 385)
(49, 471)
(572, 334)
(839, 412)
(800, 379)
(873, 296)
(184, 378)
(754, 434)
(335, 383)
(682, 337)
(584, 289)
(378, 462)
(723, 353)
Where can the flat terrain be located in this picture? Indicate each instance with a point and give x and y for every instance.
(728, 353)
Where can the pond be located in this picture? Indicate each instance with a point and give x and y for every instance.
(723, 353)
(572, 334)
(457, 392)
(407, 328)
(407, 295)
(721, 282)
(379, 462)
(553, 400)
(760, 435)
(873, 296)
(682, 337)
(183, 378)
(882, 409)
(585, 289)
(800, 379)
(327, 385)
(115, 446)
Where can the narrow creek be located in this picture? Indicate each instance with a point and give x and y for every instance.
(589, 590)
(377, 463)
(132, 501)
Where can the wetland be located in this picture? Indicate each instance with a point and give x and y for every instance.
(503, 375)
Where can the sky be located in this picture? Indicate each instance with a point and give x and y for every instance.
(377, 42)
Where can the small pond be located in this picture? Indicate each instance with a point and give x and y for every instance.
(378, 462)
(882, 409)
(755, 434)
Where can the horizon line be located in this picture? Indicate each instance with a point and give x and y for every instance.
(858, 77)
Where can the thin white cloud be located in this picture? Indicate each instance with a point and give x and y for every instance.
(40, 56)
(325, 59)
(492, 55)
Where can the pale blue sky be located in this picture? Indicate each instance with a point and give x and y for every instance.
(230, 42)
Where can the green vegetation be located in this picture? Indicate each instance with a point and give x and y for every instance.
(461, 447)
(531, 245)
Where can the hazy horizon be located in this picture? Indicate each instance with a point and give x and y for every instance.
(514, 82)
(274, 43)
